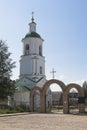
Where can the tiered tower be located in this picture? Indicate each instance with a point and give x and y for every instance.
(32, 63)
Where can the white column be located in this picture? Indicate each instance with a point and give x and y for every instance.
(35, 65)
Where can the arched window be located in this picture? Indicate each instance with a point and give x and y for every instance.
(40, 69)
(27, 49)
(40, 50)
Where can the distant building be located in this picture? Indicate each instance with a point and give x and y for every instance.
(57, 98)
(73, 97)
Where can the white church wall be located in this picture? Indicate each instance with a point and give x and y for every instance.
(41, 63)
(22, 98)
(48, 98)
(26, 66)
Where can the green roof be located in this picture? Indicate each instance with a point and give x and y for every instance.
(33, 34)
(22, 89)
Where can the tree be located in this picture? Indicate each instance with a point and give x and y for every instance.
(85, 88)
(6, 66)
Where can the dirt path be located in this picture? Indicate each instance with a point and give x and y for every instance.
(44, 122)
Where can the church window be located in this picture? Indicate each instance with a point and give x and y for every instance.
(27, 49)
(40, 50)
(40, 69)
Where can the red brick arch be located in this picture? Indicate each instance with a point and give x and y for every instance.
(77, 87)
(34, 89)
(49, 82)
(44, 89)
(66, 92)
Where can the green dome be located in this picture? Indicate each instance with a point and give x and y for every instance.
(32, 34)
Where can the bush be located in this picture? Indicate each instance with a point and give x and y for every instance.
(18, 109)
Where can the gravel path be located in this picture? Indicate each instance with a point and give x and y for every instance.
(44, 122)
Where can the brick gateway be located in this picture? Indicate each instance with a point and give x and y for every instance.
(65, 90)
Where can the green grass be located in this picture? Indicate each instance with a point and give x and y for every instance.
(7, 111)
(18, 109)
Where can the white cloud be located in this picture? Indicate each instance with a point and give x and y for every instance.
(61, 77)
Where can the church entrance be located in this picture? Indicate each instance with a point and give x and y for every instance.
(73, 101)
(35, 99)
(54, 99)
(50, 104)
(66, 102)
(73, 97)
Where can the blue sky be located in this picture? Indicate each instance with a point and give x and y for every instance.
(63, 26)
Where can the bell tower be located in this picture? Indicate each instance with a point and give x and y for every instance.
(32, 67)
(32, 63)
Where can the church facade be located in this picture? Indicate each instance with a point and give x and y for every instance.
(32, 65)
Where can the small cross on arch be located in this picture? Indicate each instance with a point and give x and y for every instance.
(53, 72)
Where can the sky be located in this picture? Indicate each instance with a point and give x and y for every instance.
(63, 26)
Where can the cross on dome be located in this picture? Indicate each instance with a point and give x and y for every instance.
(32, 17)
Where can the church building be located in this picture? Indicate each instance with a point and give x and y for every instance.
(32, 65)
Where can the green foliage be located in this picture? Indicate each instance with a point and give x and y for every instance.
(6, 66)
(8, 111)
(7, 88)
(17, 109)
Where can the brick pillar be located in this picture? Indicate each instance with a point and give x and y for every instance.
(81, 107)
(65, 104)
(42, 108)
(31, 103)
